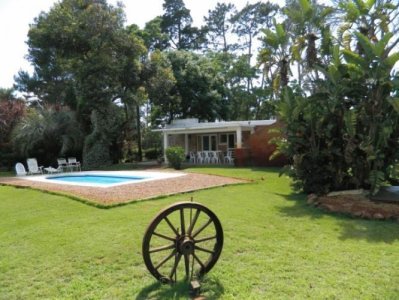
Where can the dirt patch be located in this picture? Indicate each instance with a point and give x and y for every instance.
(129, 192)
(357, 206)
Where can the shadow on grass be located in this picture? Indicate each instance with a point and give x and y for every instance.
(300, 208)
(211, 288)
(386, 231)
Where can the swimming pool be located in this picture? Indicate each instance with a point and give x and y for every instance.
(103, 179)
(96, 179)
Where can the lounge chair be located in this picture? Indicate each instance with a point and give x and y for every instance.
(62, 164)
(20, 169)
(73, 163)
(33, 167)
(51, 170)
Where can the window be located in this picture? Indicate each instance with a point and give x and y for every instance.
(223, 139)
(209, 142)
(227, 139)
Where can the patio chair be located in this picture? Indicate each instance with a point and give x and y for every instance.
(20, 169)
(214, 157)
(73, 163)
(192, 157)
(207, 157)
(229, 157)
(33, 167)
(200, 158)
(62, 164)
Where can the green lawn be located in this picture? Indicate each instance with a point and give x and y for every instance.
(276, 247)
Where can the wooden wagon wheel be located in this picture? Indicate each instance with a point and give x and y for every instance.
(186, 238)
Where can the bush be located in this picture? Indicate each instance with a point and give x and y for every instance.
(152, 153)
(175, 156)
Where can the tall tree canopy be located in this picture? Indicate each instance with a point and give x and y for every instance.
(83, 57)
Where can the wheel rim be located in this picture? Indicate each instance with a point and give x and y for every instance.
(186, 238)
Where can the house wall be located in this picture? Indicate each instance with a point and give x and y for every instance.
(261, 148)
(256, 146)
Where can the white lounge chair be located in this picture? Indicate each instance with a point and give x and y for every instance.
(73, 163)
(20, 169)
(51, 170)
(62, 164)
(33, 167)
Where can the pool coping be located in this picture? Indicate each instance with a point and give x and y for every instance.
(123, 194)
(148, 176)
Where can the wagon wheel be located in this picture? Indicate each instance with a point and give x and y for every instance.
(185, 238)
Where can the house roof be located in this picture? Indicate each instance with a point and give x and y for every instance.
(194, 126)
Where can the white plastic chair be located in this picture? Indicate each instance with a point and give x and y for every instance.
(73, 163)
(229, 158)
(192, 157)
(200, 158)
(33, 167)
(20, 169)
(62, 164)
(207, 157)
(214, 157)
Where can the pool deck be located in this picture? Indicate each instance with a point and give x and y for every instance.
(128, 192)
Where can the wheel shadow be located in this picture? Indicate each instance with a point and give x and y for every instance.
(351, 228)
(211, 288)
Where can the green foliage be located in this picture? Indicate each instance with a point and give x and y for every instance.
(47, 133)
(343, 133)
(85, 59)
(175, 156)
(176, 23)
(152, 153)
(182, 84)
(100, 147)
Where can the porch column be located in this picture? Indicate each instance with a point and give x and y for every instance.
(186, 143)
(239, 137)
(165, 145)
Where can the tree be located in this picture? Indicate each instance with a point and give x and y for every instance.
(12, 110)
(343, 133)
(176, 23)
(218, 26)
(84, 58)
(183, 84)
(46, 133)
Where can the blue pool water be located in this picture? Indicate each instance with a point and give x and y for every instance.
(97, 179)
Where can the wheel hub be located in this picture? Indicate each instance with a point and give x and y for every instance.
(186, 246)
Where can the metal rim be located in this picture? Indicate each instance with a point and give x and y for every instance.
(183, 236)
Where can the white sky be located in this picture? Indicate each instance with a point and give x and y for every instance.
(16, 15)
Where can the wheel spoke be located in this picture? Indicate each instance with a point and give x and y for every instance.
(171, 226)
(204, 250)
(162, 248)
(205, 239)
(187, 264)
(198, 260)
(201, 228)
(164, 236)
(192, 223)
(182, 224)
(177, 260)
(165, 260)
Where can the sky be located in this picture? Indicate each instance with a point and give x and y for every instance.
(16, 15)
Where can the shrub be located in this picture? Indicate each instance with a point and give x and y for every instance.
(152, 153)
(175, 156)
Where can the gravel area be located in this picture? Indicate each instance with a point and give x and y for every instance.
(129, 192)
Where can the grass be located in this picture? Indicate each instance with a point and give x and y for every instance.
(276, 247)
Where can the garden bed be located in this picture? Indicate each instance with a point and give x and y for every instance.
(356, 205)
